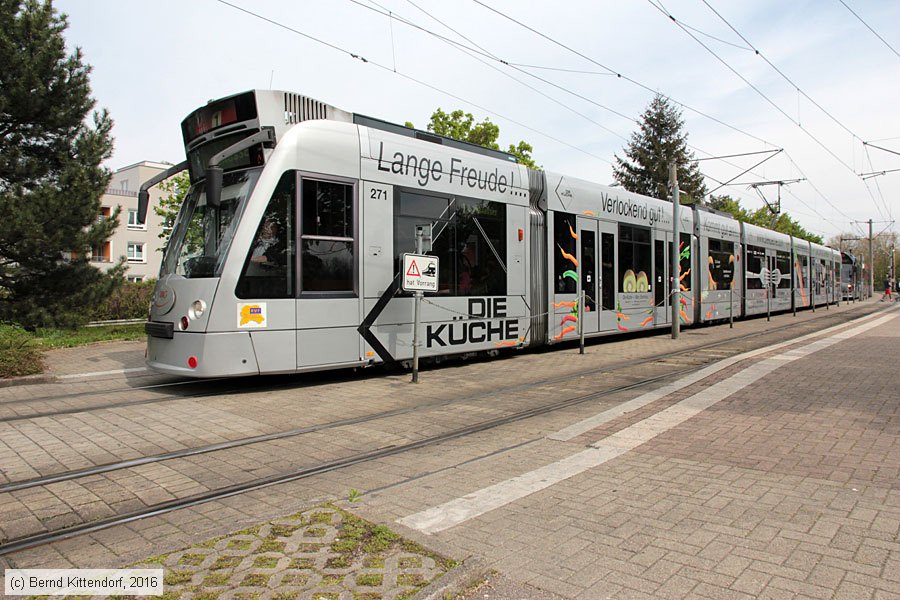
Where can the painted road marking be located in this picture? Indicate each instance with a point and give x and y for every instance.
(576, 429)
(454, 512)
(100, 373)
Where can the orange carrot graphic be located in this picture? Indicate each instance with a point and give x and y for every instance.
(568, 329)
(645, 321)
(566, 304)
(574, 235)
(568, 256)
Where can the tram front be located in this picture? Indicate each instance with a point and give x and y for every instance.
(198, 324)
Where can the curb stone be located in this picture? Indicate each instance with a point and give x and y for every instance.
(470, 570)
(28, 380)
(473, 570)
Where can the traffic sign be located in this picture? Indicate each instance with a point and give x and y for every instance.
(420, 273)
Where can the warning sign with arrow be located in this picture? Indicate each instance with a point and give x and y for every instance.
(420, 273)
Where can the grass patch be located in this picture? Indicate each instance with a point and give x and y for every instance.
(216, 579)
(329, 580)
(411, 579)
(177, 577)
(239, 544)
(283, 530)
(271, 546)
(265, 562)
(19, 353)
(296, 579)
(70, 338)
(192, 560)
(370, 579)
(409, 562)
(256, 580)
(302, 563)
(226, 562)
(374, 562)
(315, 532)
(338, 562)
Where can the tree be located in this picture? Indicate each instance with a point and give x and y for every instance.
(763, 218)
(883, 246)
(176, 188)
(462, 126)
(51, 177)
(661, 140)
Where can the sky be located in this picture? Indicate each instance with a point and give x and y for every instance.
(819, 79)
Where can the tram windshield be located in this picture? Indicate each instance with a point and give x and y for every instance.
(202, 234)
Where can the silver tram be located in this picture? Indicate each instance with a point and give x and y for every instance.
(285, 253)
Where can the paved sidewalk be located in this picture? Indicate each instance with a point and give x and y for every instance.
(789, 487)
(771, 485)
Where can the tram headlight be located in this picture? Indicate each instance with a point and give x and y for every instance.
(197, 308)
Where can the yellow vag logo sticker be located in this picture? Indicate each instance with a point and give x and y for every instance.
(251, 315)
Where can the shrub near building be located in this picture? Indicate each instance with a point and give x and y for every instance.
(19, 353)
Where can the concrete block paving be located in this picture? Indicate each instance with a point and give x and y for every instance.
(323, 553)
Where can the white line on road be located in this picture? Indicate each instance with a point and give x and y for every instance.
(457, 511)
(101, 373)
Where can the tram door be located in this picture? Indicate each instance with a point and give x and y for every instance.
(662, 246)
(606, 306)
(328, 308)
(588, 279)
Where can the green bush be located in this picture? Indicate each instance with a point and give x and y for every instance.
(19, 354)
(130, 300)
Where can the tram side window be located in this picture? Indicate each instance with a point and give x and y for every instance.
(720, 264)
(327, 237)
(756, 263)
(684, 262)
(803, 274)
(783, 264)
(564, 253)
(269, 268)
(634, 259)
(468, 236)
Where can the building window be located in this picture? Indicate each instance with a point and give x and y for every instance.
(102, 252)
(133, 220)
(135, 278)
(136, 252)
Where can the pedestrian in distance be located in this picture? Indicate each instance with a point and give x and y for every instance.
(887, 290)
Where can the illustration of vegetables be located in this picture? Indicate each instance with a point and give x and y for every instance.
(572, 232)
(642, 285)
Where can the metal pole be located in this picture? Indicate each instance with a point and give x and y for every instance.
(415, 373)
(871, 262)
(730, 308)
(675, 296)
(581, 323)
(769, 289)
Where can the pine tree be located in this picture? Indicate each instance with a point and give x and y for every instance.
(51, 177)
(661, 140)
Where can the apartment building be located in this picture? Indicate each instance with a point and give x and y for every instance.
(140, 244)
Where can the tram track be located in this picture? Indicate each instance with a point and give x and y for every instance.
(29, 541)
(241, 385)
(675, 358)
